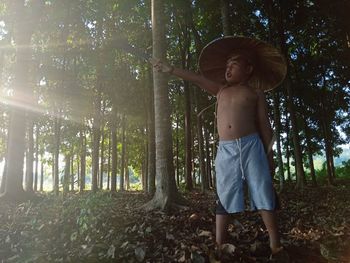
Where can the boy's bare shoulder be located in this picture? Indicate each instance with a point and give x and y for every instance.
(260, 93)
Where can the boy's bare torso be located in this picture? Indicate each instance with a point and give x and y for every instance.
(236, 112)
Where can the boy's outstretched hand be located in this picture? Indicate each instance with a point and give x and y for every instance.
(161, 66)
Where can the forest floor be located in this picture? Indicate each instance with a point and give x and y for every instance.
(315, 226)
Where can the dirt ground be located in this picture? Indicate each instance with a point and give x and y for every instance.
(314, 223)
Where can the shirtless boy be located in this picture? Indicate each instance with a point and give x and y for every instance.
(243, 126)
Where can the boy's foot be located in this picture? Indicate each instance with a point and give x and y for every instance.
(280, 255)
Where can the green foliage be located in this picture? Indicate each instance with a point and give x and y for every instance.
(343, 171)
(86, 211)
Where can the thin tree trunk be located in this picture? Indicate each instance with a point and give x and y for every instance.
(72, 177)
(208, 158)
(82, 160)
(203, 175)
(102, 158)
(109, 159)
(53, 170)
(166, 193)
(177, 151)
(225, 17)
(289, 177)
(122, 165)
(151, 148)
(57, 139)
(41, 173)
(290, 98)
(310, 153)
(30, 156)
(36, 158)
(96, 141)
(114, 152)
(66, 175)
(277, 121)
(127, 176)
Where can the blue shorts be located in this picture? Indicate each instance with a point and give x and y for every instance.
(239, 161)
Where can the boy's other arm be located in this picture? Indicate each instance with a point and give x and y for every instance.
(197, 79)
(264, 126)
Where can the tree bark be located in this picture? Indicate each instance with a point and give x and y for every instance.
(82, 160)
(57, 141)
(36, 158)
(151, 148)
(72, 177)
(289, 177)
(166, 194)
(290, 102)
(114, 151)
(102, 157)
(208, 158)
(310, 153)
(30, 156)
(277, 121)
(109, 159)
(16, 131)
(225, 17)
(96, 139)
(177, 151)
(66, 175)
(122, 165)
(41, 172)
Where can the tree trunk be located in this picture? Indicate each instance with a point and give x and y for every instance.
(289, 177)
(309, 153)
(72, 177)
(122, 165)
(41, 173)
(277, 121)
(203, 174)
(109, 159)
(225, 17)
(290, 102)
(30, 156)
(16, 131)
(185, 56)
(96, 140)
(66, 175)
(151, 148)
(114, 152)
(177, 151)
(208, 158)
(57, 139)
(188, 138)
(166, 191)
(300, 175)
(102, 157)
(53, 170)
(127, 177)
(328, 151)
(36, 158)
(82, 160)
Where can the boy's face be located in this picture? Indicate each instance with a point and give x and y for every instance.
(238, 69)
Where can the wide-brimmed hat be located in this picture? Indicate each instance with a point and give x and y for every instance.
(270, 67)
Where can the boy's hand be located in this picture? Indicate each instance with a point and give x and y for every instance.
(161, 66)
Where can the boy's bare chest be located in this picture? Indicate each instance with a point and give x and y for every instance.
(237, 98)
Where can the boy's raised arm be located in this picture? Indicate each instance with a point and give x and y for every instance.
(197, 79)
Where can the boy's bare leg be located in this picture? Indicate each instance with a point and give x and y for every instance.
(221, 228)
(270, 221)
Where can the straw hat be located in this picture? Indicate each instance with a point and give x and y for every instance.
(270, 67)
